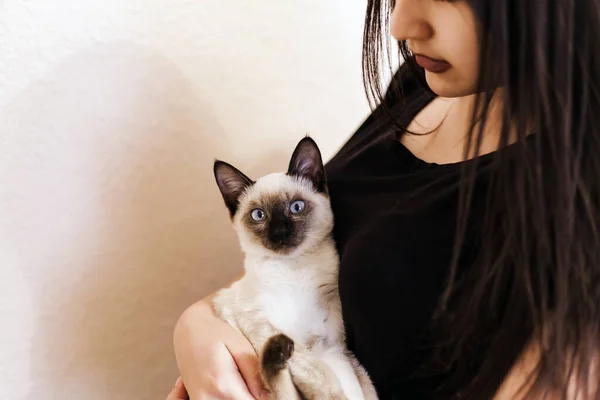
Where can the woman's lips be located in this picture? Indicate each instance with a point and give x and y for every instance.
(432, 65)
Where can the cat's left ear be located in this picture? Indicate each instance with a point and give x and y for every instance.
(307, 163)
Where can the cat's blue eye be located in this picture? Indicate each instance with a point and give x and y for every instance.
(297, 206)
(258, 214)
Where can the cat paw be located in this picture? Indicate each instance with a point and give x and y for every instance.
(277, 352)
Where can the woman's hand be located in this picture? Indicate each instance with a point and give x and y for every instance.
(215, 361)
(178, 392)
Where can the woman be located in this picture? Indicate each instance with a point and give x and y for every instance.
(467, 210)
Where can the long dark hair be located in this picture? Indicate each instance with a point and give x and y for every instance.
(536, 277)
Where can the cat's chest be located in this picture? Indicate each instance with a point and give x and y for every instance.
(298, 309)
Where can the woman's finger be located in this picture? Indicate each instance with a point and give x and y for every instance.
(178, 391)
(248, 364)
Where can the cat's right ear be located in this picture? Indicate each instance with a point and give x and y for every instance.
(232, 183)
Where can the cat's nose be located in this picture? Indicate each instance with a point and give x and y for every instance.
(281, 233)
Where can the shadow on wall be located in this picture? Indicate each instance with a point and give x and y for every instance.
(117, 217)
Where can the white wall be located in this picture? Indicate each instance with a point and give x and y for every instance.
(111, 113)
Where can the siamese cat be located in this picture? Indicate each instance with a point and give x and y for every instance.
(287, 304)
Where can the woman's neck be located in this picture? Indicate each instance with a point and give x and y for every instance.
(447, 123)
(460, 119)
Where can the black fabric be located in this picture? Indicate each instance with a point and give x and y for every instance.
(395, 222)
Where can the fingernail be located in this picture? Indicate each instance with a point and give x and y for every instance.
(179, 383)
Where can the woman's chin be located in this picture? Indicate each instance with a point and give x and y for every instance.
(445, 85)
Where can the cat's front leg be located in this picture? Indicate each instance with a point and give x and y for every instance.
(364, 379)
(256, 330)
(229, 306)
(313, 377)
(330, 372)
(273, 356)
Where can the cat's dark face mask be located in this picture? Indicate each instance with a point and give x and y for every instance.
(280, 221)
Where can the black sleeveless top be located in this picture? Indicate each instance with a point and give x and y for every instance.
(395, 222)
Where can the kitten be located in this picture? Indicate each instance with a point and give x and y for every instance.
(287, 304)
